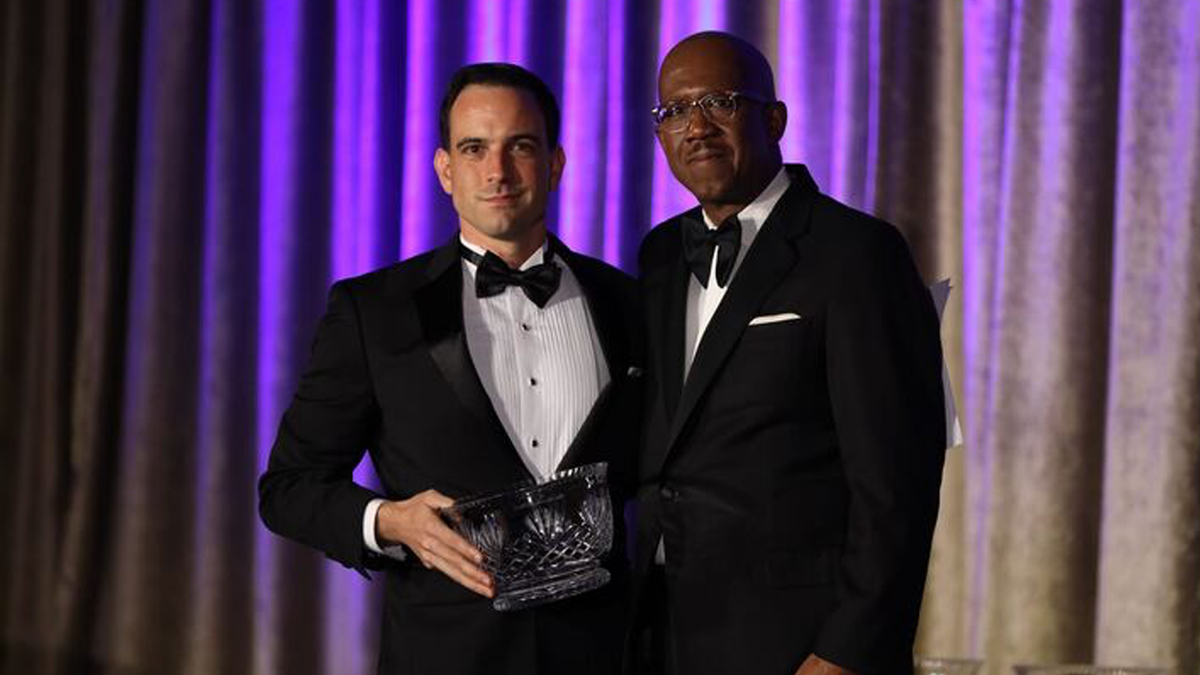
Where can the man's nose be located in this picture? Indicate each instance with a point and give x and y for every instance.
(499, 166)
(698, 125)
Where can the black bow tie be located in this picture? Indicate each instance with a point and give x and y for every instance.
(492, 276)
(698, 244)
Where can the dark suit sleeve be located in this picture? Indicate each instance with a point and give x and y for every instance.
(884, 372)
(307, 493)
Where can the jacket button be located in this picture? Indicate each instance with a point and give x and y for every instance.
(668, 493)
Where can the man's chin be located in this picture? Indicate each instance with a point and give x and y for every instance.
(508, 229)
(710, 190)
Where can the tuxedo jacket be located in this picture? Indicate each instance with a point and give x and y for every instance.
(794, 476)
(390, 374)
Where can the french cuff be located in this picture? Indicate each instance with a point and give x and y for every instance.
(368, 530)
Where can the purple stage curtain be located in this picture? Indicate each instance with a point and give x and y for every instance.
(181, 180)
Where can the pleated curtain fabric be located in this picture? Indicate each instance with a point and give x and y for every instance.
(180, 181)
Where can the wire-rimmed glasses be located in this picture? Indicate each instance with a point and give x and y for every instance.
(718, 107)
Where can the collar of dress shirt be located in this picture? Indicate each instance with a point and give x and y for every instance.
(535, 258)
(756, 212)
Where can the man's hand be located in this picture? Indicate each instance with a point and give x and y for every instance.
(415, 523)
(815, 665)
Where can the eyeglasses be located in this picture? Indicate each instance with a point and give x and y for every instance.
(717, 107)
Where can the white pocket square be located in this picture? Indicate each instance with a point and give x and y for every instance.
(774, 318)
(633, 371)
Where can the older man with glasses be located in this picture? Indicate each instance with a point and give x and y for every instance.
(788, 485)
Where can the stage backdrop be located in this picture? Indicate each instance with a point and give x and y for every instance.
(181, 180)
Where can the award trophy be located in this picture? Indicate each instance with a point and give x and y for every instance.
(541, 542)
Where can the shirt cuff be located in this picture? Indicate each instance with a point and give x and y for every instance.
(368, 531)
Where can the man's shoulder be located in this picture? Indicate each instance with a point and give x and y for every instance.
(853, 230)
(859, 250)
(397, 277)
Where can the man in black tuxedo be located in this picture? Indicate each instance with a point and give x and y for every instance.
(498, 357)
(788, 488)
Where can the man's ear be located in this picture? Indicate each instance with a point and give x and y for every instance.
(558, 159)
(441, 166)
(776, 120)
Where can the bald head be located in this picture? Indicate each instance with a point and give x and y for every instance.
(724, 157)
(740, 60)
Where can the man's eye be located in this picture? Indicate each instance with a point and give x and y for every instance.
(471, 150)
(525, 148)
(673, 110)
(721, 102)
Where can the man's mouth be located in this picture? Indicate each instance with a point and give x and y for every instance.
(502, 199)
(704, 155)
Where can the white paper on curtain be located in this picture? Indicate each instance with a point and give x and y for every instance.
(941, 292)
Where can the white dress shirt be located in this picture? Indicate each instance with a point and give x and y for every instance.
(542, 369)
(702, 302)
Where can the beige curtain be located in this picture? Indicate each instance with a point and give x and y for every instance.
(1044, 155)
(1070, 528)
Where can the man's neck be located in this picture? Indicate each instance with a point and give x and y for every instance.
(514, 253)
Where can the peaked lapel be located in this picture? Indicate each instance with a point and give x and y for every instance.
(770, 258)
(439, 309)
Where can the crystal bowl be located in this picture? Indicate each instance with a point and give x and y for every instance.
(542, 541)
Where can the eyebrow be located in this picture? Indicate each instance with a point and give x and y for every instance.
(471, 140)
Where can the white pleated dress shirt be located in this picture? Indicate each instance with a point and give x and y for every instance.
(542, 369)
(702, 302)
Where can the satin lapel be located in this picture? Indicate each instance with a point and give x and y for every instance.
(439, 307)
(770, 258)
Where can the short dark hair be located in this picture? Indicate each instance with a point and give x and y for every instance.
(500, 75)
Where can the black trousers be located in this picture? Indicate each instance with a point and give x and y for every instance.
(655, 642)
